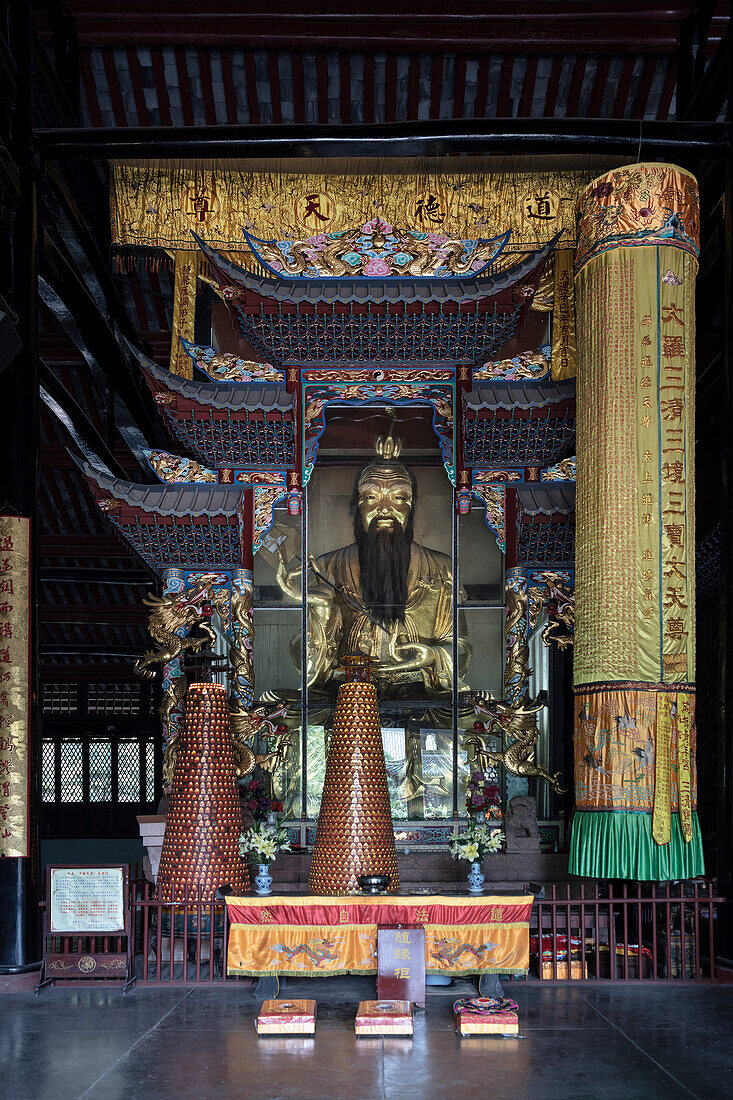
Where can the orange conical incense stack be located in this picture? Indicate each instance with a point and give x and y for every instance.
(201, 843)
(355, 834)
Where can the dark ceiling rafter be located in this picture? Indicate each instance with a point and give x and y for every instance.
(420, 139)
(601, 25)
(79, 315)
(83, 426)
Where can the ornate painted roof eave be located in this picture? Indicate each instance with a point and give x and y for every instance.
(394, 242)
(519, 395)
(361, 289)
(233, 396)
(181, 501)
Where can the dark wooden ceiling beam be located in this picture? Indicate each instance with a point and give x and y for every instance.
(84, 546)
(601, 26)
(84, 574)
(424, 138)
(114, 614)
(91, 650)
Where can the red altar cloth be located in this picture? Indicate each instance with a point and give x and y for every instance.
(338, 935)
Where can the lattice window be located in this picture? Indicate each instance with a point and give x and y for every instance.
(60, 699)
(48, 771)
(418, 336)
(128, 771)
(72, 771)
(116, 700)
(149, 771)
(539, 440)
(100, 771)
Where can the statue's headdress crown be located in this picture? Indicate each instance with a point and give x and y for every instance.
(388, 447)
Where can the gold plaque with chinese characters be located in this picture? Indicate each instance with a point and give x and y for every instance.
(14, 683)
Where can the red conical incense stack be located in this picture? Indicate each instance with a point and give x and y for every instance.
(201, 843)
(355, 834)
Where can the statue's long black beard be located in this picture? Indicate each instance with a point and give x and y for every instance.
(384, 564)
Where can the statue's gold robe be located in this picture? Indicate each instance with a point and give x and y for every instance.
(413, 657)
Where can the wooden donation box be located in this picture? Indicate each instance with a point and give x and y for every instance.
(86, 925)
(486, 1016)
(401, 963)
(287, 1018)
(384, 1018)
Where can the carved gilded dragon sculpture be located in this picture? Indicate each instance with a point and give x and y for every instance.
(517, 723)
(561, 607)
(172, 618)
(247, 723)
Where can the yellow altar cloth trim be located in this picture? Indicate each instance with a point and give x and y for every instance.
(256, 949)
(381, 900)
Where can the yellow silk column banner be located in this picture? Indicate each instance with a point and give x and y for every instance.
(184, 312)
(635, 506)
(14, 684)
(563, 317)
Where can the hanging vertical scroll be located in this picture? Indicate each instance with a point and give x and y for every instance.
(563, 317)
(184, 312)
(14, 684)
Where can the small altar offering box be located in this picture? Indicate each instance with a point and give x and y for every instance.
(287, 1018)
(384, 1018)
(486, 1016)
(401, 963)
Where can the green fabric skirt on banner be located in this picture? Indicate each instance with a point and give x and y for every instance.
(618, 844)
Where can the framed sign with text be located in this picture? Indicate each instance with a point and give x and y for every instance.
(86, 924)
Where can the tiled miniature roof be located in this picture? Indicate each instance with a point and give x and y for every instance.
(546, 500)
(519, 395)
(235, 396)
(170, 500)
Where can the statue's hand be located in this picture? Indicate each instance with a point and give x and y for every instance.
(414, 655)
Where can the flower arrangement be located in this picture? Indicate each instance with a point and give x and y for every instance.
(258, 801)
(264, 841)
(482, 796)
(476, 842)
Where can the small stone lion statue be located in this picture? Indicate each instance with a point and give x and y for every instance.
(522, 834)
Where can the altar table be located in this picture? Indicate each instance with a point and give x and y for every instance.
(309, 935)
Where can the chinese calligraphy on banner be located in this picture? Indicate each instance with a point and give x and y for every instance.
(634, 668)
(153, 207)
(14, 684)
(184, 311)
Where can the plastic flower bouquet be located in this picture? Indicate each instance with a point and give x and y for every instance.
(476, 842)
(258, 803)
(482, 796)
(263, 842)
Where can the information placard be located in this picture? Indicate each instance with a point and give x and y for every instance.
(87, 900)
